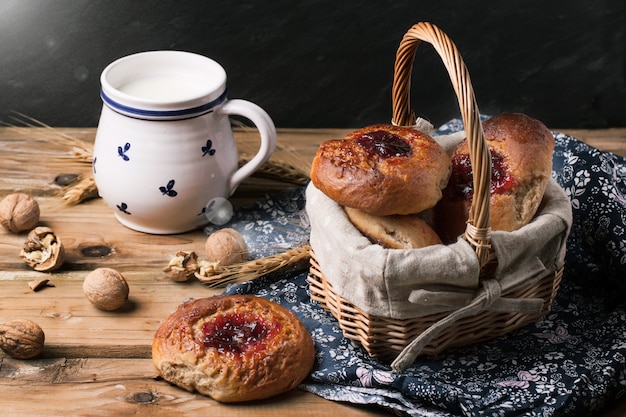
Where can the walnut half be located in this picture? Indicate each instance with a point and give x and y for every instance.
(43, 250)
(182, 266)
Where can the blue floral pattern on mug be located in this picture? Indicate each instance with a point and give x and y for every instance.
(208, 149)
(123, 207)
(168, 189)
(122, 151)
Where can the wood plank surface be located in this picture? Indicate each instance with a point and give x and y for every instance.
(103, 387)
(98, 363)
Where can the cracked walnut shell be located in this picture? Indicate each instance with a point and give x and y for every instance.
(43, 250)
(19, 212)
(182, 266)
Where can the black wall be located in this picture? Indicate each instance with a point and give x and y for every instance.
(325, 63)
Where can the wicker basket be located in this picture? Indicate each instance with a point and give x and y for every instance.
(386, 338)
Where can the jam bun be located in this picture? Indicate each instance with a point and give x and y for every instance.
(521, 163)
(233, 348)
(382, 170)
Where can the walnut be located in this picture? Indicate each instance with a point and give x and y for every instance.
(19, 212)
(21, 338)
(226, 246)
(43, 250)
(182, 266)
(106, 289)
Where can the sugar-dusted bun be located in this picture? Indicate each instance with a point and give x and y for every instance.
(382, 170)
(521, 151)
(233, 348)
(407, 231)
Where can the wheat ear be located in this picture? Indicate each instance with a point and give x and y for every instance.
(215, 275)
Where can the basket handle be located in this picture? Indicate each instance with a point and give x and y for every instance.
(478, 231)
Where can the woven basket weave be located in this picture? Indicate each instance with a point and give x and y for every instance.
(385, 338)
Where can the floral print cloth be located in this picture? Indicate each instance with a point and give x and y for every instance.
(571, 362)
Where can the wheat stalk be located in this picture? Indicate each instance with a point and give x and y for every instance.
(81, 190)
(77, 149)
(276, 169)
(215, 275)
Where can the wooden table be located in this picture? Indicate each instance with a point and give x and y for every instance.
(98, 363)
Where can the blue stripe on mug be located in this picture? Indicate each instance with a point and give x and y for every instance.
(132, 111)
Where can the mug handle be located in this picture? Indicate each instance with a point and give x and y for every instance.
(266, 128)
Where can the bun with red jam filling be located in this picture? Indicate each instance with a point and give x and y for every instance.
(521, 163)
(233, 348)
(382, 170)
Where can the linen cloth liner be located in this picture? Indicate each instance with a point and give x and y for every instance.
(407, 283)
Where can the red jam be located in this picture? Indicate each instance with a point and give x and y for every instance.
(461, 180)
(384, 144)
(238, 333)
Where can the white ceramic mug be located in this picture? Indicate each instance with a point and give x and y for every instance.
(164, 146)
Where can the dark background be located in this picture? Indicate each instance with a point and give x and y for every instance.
(325, 63)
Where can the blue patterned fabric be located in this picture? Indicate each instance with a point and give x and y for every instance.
(571, 362)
